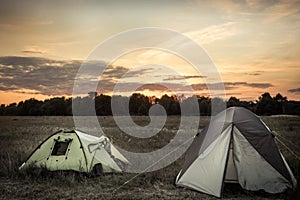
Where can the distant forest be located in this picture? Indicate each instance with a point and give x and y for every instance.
(140, 104)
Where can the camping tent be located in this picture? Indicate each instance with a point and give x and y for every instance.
(243, 151)
(75, 150)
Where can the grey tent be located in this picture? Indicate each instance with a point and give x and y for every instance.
(243, 151)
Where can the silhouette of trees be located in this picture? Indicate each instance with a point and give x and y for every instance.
(139, 104)
(204, 105)
(171, 104)
(233, 101)
(102, 105)
(29, 107)
(54, 106)
(265, 105)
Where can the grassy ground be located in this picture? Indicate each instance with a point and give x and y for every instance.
(20, 135)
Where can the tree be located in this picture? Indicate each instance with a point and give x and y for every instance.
(265, 105)
(54, 106)
(103, 105)
(171, 104)
(280, 103)
(30, 107)
(2, 109)
(92, 95)
(11, 109)
(204, 105)
(233, 101)
(139, 104)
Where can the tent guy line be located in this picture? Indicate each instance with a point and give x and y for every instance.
(126, 182)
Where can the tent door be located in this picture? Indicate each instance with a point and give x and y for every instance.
(231, 175)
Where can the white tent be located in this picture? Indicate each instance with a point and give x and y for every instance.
(244, 152)
(75, 150)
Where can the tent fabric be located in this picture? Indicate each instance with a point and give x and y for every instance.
(261, 173)
(231, 174)
(78, 151)
(202, 167)
(251, 156)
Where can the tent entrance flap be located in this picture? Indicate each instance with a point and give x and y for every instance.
(231, 175)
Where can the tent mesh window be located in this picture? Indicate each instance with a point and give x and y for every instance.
(60, 148)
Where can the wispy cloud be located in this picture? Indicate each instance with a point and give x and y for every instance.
(33, 50)
(254, 73)
(282, 9)
(213, 33)
(231, 85)
(172, 78)
(294, 90)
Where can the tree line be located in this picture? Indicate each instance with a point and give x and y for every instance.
(140, 104)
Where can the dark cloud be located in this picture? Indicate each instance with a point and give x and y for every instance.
(254, 74)
(167, 86)
(117, 72)
(233, 85)
(171, 78)
(161, 87)
(33, 52)
(46, 76)
(294, 90)
(259, 85)
(136, 73)
(230, 85)
(56, 77)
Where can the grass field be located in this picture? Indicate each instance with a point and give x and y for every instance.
(19, 136)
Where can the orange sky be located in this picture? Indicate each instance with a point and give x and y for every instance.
(254, 44)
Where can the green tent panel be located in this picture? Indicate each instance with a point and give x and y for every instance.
(78, 151)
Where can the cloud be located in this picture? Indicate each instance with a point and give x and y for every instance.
(257, 73)
(48, 77)
(213, 33)
(259, 85)
(172, 78)
(294, 90)
(283, 9)
(135, 73)
(56, 77)
(167, 86)
(36, 75)
(33, 50)
(230, 85)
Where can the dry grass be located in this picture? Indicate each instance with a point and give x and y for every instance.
(20, 135)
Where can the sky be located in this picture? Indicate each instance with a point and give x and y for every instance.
(253, 44)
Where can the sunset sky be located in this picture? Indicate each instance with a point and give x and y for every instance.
(254, 44)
